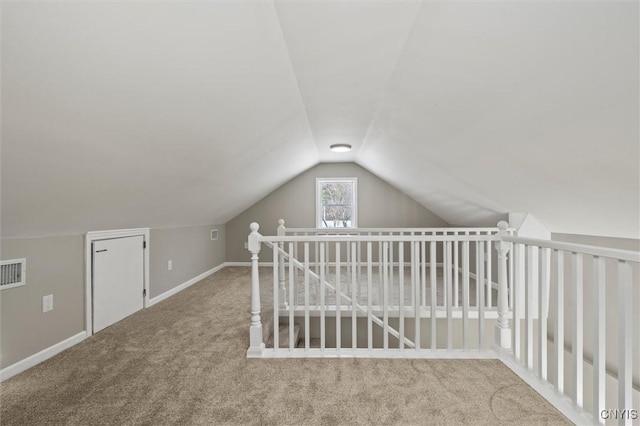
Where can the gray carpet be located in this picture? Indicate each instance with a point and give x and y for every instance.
(183, 361)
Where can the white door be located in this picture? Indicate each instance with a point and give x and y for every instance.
(118, 279)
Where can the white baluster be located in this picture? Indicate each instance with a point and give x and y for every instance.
(434, 294)
(315, 265)
(380, 273)
(417, 297)
(296, 296)
(322, 304)
(518, 293)
(559, 329)
(417, 312)
(599, 340)
(503, 333)
(385, 297)
(511, 277)
(578, 326)
(456, 275)
(465, 295)
(401, 292)
(532, 282)
(276, 303)
(369, 297)
(391, 265)
(543, 287)
(489, 277)
(256, 345)
(338, 299)
(447, 264)
(445, 275)
(414, 278)
(625, 342)
(307, 328)
(354, 313)
(423, 265)
(359, 276)
(291, 304)
(480, 289)
(282, 292)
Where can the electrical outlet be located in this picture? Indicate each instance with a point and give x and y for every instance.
(170, 265)
(246, 245)
(47, 303)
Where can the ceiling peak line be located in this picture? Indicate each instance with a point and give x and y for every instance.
(295, 77)
(383, 95)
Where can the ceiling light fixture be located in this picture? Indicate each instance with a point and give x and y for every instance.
(340, 147)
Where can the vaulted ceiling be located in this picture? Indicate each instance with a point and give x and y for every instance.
(118, 114)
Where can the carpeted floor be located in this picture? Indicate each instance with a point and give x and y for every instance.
(183, 362)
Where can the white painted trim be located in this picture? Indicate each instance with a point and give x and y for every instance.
(184, 285)
(240, 264)
(611, 253)
(405, 231)
(43, 355)
(248, 264)
(377, 353)
(88, 277)
(342, 238)
(562, 402)
(117, 233)
(425, 312)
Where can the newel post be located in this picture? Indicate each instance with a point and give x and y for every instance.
(503, 333)
(282, 288)
(256, 345)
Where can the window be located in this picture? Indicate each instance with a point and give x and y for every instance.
(336, 202)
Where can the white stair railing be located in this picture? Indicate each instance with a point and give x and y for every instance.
(399, 287)
(279, 263)
(530, 337)
(484, 260)
(562, 271)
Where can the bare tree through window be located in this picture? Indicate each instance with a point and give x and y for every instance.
(336, 204)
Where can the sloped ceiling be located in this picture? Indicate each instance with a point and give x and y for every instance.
(119, 114)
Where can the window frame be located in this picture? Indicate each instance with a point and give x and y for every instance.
(351, 180)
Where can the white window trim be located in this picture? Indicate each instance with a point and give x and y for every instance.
(353, 180)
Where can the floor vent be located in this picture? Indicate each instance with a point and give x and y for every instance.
(12, 273)
(214, 234)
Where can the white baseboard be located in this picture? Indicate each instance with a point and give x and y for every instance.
(41, 356)
(47, 353)
(184, 285)
(241, 264)
(247, 264)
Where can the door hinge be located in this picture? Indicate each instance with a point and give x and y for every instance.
(144, 244)
(144, 293)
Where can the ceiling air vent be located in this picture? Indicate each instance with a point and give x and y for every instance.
(12, 273)
(214, 234)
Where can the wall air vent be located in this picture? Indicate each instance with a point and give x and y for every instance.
(214, 234)
(13, 273)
